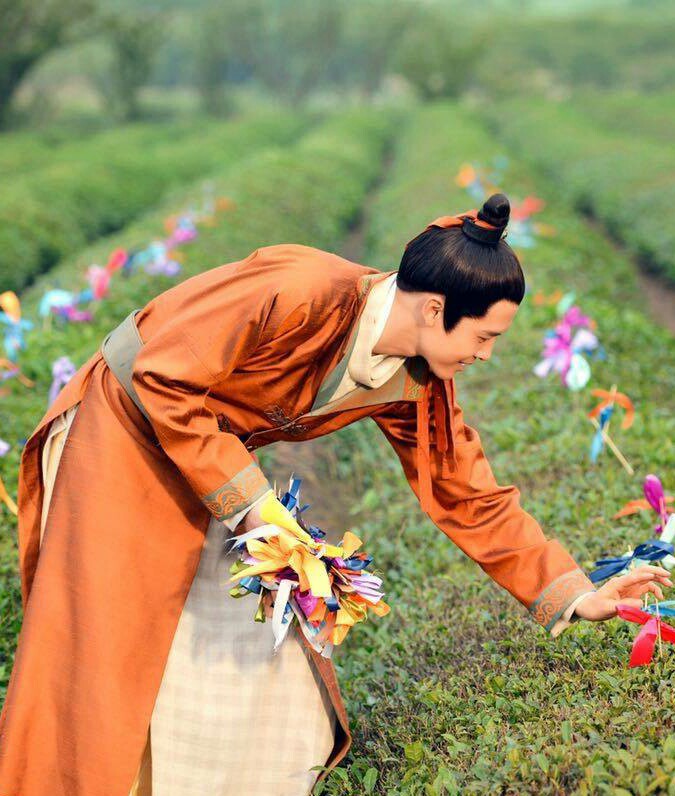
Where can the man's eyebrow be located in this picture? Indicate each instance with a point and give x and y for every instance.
(492, 334)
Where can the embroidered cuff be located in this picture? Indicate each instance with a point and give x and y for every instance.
(568, 618)
(235, 519)
(549, 607)
(238, 493)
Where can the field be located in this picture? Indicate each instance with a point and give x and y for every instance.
(457, 690)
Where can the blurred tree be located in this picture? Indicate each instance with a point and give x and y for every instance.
(289, 46)
(437, 53)
(300, 41)
(29, 29)
(226, 50)
(372, 34)
(133, 38)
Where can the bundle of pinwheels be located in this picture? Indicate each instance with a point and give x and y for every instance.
(297, 574)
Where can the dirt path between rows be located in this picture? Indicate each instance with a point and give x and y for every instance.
(660, 297)
(658, 292)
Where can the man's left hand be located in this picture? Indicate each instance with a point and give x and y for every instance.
(626, 589)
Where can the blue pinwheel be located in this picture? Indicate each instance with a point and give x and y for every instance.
(654, 550)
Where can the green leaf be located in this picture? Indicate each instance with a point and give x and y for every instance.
(669, 746)
(342, 774)
(566, 731)
(414, 751)
(370, 779)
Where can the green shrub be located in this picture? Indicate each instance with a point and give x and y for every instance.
(53, 211)
(624, 180)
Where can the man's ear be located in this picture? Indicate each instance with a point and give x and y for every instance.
(432, 310)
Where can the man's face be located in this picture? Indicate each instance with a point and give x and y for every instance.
(473, 338)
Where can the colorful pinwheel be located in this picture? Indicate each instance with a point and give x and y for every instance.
(15, 325)
(564, 349)
(10, 370)
(655, 498)
(663, 608)
(324, 586)
(651, 551)
(653, 628)
(63, 371)
(541, 299)
(604, 411)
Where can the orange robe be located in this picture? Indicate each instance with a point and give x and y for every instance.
(232, 359)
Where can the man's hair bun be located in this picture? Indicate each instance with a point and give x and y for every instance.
(496, 210)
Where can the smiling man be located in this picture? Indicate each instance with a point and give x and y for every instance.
(136, 672)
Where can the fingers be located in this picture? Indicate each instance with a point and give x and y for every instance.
(653, 588)
(653, 569)
(642, 587)
(634, 602)
(643, 574)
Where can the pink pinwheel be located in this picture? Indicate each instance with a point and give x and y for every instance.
(117, 259)
(557, 355)
(575, 317)
(99, 280)
(563, 349)
(642, 652)
(655, 498)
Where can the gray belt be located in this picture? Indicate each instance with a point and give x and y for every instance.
(119, 350)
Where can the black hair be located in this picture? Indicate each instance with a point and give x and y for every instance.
(471, 275)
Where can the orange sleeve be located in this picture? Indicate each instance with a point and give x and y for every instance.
(212, 329)
(486, 520)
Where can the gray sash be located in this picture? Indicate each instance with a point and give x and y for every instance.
(119, 350)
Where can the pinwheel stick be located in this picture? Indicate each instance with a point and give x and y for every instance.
(7, 364)
(5, 498)
(613, 447)
(658, 620)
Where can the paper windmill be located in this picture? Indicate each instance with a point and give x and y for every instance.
(663, 608)
(541, 299)
(653, 628)
(63, 371)
(651, 551)
(604, 410)
(522, 228)
(15, 325)
(182, 229)
(477, 181)
(564, 349)
(655, 498)
(324, 586)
